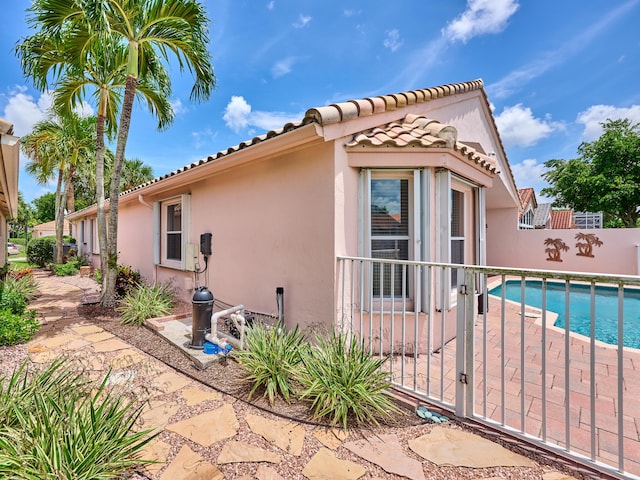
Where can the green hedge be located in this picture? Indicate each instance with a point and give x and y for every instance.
(40, 251)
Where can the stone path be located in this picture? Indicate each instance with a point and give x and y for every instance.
(206, 435)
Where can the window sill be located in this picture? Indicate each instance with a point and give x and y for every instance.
(172, 265)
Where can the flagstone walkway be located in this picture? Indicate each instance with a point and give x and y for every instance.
(209, 435)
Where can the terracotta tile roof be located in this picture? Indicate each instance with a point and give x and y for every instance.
(419, 131)
(526, 195)
(338, 112)
(562, 219)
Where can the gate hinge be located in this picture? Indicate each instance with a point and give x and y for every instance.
(462, 290)
(463, 378)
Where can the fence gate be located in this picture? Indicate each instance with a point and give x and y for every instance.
(499, 347)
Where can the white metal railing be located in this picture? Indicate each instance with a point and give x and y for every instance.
(504, 362)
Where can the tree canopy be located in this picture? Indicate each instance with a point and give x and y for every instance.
(605, 177)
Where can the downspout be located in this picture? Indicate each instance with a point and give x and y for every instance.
(144, 202)
(147, 204)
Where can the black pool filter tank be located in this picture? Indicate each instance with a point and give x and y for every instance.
(201, 317)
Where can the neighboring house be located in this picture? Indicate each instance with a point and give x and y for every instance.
(48, 229)
(528, 207)
(9, 166)
(400, 176)
(542, 216)
(562, 219)
(586, 220)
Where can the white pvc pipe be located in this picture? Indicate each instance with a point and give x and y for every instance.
(239, 321)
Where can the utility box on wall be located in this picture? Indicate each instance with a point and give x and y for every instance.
(191, 257)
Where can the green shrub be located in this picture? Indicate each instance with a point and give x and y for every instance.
(12, 301)
(127, 280)
(343, 381)
(67, 269)
(271, 359)
(97, 276)
(55, 424)
(40, 251)
(25, 285)
(146, 302)
(17, 327)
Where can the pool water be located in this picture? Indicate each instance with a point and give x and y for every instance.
(606, 308)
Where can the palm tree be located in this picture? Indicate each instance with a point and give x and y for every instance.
(134, 172)
(55, 146)
(77, 46)
(152, 29)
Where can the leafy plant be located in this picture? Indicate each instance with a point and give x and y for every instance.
(17, 327)
(19, 272)
(127, 280)
(24, 285)
(40, 251)
(146, 302)
(271, 359)
(55, 424)
(343, 381)
(12, 301)
(66, 269)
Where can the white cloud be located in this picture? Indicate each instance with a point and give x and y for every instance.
(203, 136)
(351, 12)
(392, 41)
(24, 111)
(528, 173)
(177, 106)
(282, 67)
(237, 113)
(303, 21)
(593, 116)
(518, 127)
(270, 5)
(480, 17)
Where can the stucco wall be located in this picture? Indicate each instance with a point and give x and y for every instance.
(509, 247)
(273, 226)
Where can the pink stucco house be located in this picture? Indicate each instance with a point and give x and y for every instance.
(418, 175)
(9, 167)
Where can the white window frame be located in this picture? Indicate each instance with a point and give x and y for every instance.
(416, 206)
(95, 241)
(160, 231)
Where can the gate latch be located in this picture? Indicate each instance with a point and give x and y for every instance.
(463, 378)
(462, 290)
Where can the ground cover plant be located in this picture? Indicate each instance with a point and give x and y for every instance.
(146, 301)
(57, 424)
(17, 324)
(339, 378)
(342, 380)
(271, 359)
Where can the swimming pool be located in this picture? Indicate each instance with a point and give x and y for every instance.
(606, 308)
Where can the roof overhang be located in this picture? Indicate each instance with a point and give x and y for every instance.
(9, 165)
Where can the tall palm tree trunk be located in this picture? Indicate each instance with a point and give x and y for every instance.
(108, 291)
(59, 215)
(102, 218)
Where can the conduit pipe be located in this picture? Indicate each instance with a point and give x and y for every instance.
(237, 317)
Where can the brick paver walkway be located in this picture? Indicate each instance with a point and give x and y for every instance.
(528, 407)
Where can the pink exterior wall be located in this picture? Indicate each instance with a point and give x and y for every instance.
(509, 247)
(273, 226)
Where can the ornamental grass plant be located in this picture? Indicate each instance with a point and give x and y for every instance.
(57, 424)
(146, 301)
(344, 382)
(271, 359)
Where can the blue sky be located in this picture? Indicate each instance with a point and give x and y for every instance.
(553, 70)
